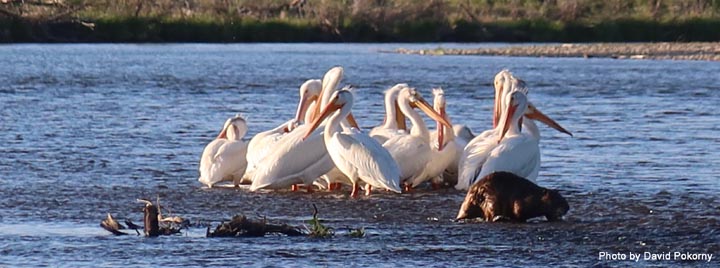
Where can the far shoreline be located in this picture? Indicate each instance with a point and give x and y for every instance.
(698, 51)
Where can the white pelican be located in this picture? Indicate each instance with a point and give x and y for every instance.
(479, 148)
(356, 154)
(516, 152)
(445, 150)
(394, 119)
(295, 160)
(262, 143)
(223, 159)
(412, 151)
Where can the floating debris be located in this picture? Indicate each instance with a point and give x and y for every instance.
(111, 225)
(317, 229)
(356, 233)
(153, 222)
(241, 226)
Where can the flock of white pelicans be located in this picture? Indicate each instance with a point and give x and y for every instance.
(323, 147)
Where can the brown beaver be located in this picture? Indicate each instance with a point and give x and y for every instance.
(506, 196)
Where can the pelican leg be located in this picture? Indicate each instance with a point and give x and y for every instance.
(408, 188)
(355, 189)
(368, 189)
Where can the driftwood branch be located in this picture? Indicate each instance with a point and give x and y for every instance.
(150, 219)
(153, 225)
(239, 225)
(111, 225)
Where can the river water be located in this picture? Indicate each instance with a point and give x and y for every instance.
(87, 129)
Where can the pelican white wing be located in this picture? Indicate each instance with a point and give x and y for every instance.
(261, 145)
(473, 157)
(518, 154)
(411, 153)
(293, 161)
(358, 154)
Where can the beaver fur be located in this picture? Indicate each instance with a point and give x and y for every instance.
(503, 196)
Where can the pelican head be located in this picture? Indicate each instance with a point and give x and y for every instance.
(500, 89)
(439, 105)
(500, 78)
(515, 109)
(309, 92)
(234, 129)
(439, 98)
(391, 96)
(329, 84)
(417, 101)
(338, 101)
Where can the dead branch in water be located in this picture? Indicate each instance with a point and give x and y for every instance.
(238, 226)
(153, 224)
(111, 225)
(150, 220)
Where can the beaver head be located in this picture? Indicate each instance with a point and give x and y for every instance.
(555, 206)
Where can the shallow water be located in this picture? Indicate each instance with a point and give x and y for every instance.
(87, 129)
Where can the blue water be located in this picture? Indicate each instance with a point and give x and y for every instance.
(87, 129)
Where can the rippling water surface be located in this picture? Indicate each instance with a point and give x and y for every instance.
(87, 129)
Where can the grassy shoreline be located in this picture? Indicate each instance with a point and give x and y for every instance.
(359, 21)
(142, 29)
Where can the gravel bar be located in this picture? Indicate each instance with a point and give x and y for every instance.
(659, 51)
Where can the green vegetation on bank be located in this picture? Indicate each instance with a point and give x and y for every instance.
(358, 21)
